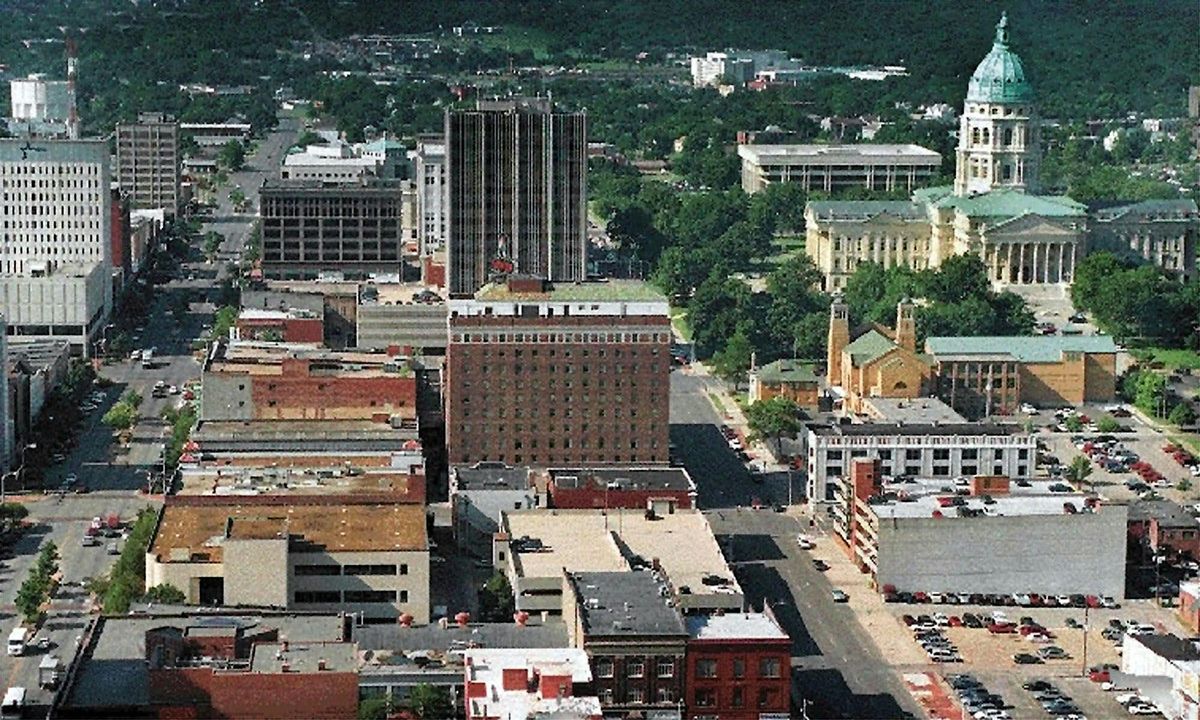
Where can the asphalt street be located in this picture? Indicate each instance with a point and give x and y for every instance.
(114, 475)
(837, 668)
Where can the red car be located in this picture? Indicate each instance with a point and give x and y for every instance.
(1093, 601)
(920, 597)
(1099, 676)
(1002, 628)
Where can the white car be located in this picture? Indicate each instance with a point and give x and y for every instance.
(1028, 409)
(1142, 709)
(1063, 600)
(936, 597)
(1022, 599)
(174, 389)
(805, 542)
(1141, 630)
(735, 444)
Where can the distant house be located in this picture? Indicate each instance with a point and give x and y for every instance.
(793, 379)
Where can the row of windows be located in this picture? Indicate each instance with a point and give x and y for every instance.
(539, 372)
(768, 667)
(350, 596)
(938, 454)
(636, 668)
(635, 696)
(707, 697)
(330, 569)
(835, 470)
(574, 338)
(31, 168)
(567, 352)
(567, 412)
(468, 458)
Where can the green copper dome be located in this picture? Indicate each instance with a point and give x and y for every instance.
(1000, 77)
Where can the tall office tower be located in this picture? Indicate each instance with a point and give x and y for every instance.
(516, 193)
(55, 238)
(430, 177)
(148, 162)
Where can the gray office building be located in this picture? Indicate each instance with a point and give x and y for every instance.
(309, 227)
(516, 192)
(148, 162)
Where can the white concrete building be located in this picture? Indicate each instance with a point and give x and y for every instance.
(919, 451)
(430, 176)
(39, 106)
(736, 67)
(311, 554)
(837, 167)
(55, 238)
(330, 164)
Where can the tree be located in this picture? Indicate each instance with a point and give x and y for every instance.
(1182, 414)
(165, 594)
(1073, 423)
(132, 398)
(1108, 424)
(430, 703)
(733, 361)
(223, 321)
(12, 513)
(716, 312)
(496, 602)
(120, 417)
(232, 156)
(772, 419)
(375, 708)
(1079, 470)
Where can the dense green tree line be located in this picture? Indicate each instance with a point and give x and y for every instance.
(1138, 303)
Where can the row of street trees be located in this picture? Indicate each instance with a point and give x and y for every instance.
(35, 592)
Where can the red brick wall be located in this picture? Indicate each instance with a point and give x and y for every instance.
(723, 688)
(595, 497)
(1185, 542)
(119, 235)
(299, 395)
(433, 273)
(543, 403)
(298, 330)
(262, 696)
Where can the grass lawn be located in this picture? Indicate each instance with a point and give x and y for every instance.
(786, 246)
(680, 322)
(1172, 358)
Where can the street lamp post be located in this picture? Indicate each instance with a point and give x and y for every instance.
(18, 473)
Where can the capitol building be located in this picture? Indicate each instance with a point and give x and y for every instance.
(995, 209)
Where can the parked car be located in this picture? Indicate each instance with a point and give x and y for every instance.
(839, 596)
(820, 565)
(1026, 659)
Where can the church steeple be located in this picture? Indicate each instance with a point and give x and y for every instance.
(998, 144)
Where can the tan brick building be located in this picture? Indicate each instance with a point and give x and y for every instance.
(993, 375)
(877, 362)
(793, 379)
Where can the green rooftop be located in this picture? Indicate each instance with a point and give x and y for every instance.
(1035, 348)
(1010, 204)
(787, 371)
(1000, 78)
(865, 209)
(869, 346)
(593, 291)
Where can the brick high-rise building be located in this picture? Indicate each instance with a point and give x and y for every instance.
(568, 374)
(516, 192)
(148, 162)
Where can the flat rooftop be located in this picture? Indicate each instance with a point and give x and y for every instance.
(1168, 513)
(202, 530)
(115, 673)
(885, 429)
(1170, 647)
(489, 667)
(484, 476)
(625, 603)
(675, 478)
(586, 541)
(589, 291)
(213, 478)
(919, 498)
(263, 358)
(285, 432)
(304, 657)
(289, 314)
(857, 154)
(431, 638)
(1032, 349)
(734, 626)
(921, 411)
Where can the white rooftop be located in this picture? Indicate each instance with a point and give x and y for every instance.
(304, 158)
(837, 154)
(488, 666)
(923, 498)
(733, 626)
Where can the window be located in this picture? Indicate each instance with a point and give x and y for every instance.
(666, 668)
(369, 596)
(635, 669)
(706, 668)
(766, 697)
(769, 667)
(739, 667)
(834, 455)
(404, 568)
(636, 695)
(604, 668)
(307, 570)
(606, 696)
(941, 454)
(737, 698)
(706, 697)
(912, 454)
(330, 596)
(369, 570)
(1023, 454)
(665, 695)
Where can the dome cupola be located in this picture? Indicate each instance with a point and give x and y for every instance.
(1000, 77)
